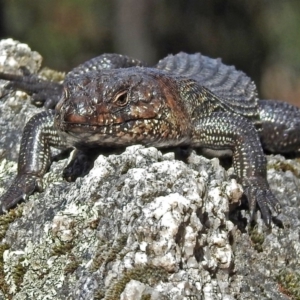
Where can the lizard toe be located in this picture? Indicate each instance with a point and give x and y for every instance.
(22, 186)
(259, 193)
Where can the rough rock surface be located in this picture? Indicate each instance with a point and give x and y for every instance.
(141, 225)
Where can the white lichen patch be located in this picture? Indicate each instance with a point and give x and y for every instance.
(46, 262)
(8, 170)
(148, 216)
(13, 54)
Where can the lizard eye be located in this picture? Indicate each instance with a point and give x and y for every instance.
(122, 98)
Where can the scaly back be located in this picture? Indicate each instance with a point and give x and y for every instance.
(234, 87)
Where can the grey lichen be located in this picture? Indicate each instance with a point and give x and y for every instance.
(140, 225)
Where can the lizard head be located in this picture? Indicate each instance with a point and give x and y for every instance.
(122, 107)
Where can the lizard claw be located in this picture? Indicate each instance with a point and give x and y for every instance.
(22, 186)
(258, 192)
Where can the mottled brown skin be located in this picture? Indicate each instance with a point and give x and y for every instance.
(141, 105)
(185, 101)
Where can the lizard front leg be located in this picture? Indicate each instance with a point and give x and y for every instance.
(224, 130)
(34, 160)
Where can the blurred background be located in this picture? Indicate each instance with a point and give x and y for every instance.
(260, 37)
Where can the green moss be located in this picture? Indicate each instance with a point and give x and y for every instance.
(61, 249)
(257, 238)
(52, 75)
(100, 294)
(146, 297)
(289, 281)
(94, 224)
(147, 274)
(18, 273)
(72, 265)
(108, 252)
(3, 285)
(284, 166)
(8, 218)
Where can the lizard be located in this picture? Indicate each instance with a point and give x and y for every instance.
(185, 100)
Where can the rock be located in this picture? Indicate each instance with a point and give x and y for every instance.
(140, 225)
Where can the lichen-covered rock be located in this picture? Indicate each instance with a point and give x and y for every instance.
(142, 225)
(15, 110)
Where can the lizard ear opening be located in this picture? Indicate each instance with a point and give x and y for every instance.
(121, 98)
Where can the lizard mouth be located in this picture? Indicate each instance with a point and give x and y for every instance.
(68, 121)
(150, 131)
(110, 128)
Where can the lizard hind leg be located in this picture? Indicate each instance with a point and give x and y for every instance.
(44, 93)
(226, 131)
(280, 132)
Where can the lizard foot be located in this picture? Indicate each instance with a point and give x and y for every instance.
(258, 192)
(22, 186)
